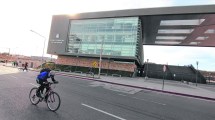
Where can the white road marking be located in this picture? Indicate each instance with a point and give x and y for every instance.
(103, 112)
(149, 101)
(34, 85)
(13, 77)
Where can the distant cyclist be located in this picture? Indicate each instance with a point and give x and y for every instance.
(42, 79)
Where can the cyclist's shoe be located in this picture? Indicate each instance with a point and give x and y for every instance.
(55, 82)
(46, 98)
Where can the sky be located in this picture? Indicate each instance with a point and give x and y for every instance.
(18, 17)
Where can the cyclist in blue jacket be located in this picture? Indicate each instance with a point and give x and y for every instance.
(42, 80)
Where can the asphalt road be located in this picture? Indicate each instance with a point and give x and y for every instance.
(88, 100)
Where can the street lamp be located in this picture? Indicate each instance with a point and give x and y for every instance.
(197, 72)
(100, 60)
(43, 44)
(209, 77)
(147, 67)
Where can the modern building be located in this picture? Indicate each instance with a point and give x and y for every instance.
(119, 36)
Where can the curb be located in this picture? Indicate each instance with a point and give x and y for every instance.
(156, 90)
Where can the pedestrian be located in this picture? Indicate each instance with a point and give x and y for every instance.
(16, 63)
(25, 66)
(13, 64)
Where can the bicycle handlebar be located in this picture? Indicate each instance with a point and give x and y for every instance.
(50, 83)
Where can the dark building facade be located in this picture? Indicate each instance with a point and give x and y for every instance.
(119, 36)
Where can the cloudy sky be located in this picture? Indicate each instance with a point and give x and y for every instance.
(18, 17)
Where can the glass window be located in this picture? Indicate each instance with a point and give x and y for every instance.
(118, 36)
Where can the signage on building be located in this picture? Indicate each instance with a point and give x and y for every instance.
(56, 41)
(57, 36)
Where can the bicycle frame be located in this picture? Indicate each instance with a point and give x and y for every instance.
(49, 90)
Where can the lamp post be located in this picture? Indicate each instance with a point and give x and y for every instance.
(209, 77)
(197, 72)
(147, 68)
(76, 63)
(8, 51)
(43, 45)
(100, 59)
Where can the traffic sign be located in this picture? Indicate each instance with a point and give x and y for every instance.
(95, 64)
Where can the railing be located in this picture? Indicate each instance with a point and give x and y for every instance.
(80, 69)
(168, 76)
(199, 75)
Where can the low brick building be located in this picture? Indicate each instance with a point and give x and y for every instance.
(33, 62)
(93, 62)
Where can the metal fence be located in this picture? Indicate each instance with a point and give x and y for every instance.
(172, 76)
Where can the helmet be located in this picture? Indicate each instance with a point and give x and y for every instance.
(49, 65)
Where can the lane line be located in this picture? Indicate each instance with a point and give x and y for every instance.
(103, 112)
(158, 103)
(149, 101)
(13, 76)
(34, 84)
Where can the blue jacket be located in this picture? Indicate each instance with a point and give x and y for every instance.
(43, 76)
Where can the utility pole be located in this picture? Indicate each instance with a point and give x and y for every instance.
(100, 59)
(147, 67)
(42, 60)
(197, 72)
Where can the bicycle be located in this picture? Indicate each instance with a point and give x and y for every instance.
(50, 97)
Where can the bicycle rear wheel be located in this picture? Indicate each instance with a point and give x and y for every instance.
(33, 97)
(53, 101)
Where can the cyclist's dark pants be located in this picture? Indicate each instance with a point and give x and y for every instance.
(43, 84)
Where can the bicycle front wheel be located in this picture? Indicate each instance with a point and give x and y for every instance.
(32, 96)
(53, 101)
